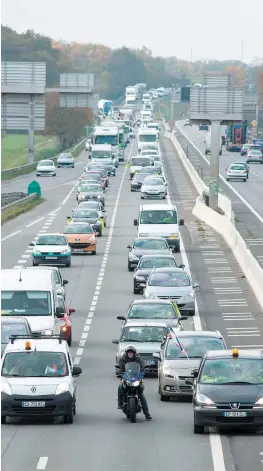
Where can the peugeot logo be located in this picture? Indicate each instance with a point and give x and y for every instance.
(234, 405)
(77, 240)
(33, 389)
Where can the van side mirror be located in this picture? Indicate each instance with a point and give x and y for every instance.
(116, 342)
(135, 222)
(32, 244)
(121, 318)
(65, 282)
(76, 371)
(71, 310)
(59, 312)
(181, 222)
(129, 246)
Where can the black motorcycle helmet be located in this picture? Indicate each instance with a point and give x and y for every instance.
(130, 349)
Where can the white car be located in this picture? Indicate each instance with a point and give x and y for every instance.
(51, 249)
(237, 171)
(187, 122)
(153, 188)
(46, 167)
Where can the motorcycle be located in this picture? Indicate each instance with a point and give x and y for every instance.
(131, 388)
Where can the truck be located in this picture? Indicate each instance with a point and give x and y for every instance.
(105, 106)
(236, 136)
(147, 135)
(108, 135)
(131, 94)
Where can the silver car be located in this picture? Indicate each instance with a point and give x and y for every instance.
(175, 284)
(175, 366)
(93, 205)
(147, 337)
(46, 168)
(236, 171)
(65, 160)
(153, 188)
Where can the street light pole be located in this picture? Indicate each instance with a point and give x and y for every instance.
(214, 164)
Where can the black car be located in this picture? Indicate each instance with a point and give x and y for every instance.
(12, 326)
(146, 246)
(90, 216)
(228, 390)
(146, 265)
(137, 181)
(203, 127)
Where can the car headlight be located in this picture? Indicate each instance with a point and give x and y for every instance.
(139, 278)
(132, 256)
(6, 388)
(36, 252)
(149, 295)
(168, 372)
(62, 388)
(187, 297)
(64, 251)
(259, 402)
(202, 399)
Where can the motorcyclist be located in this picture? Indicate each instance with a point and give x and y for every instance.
(130, 355)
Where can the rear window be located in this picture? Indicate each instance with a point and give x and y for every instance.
(151, 244)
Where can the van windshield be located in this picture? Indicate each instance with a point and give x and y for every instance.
(35, 364)
(102, 154)
(147, 138)
(158, 217)
(112, 140)
(27, 303)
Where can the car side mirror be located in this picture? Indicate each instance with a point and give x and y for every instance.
(183, 318)
(135, 222)
(71, 310)
(195, 285)
(76, 371)
(65, 282)
(116, 342)
(117, 367)
(157, 356)
(181, 266)
(103, 210)
(121, 318)
(59, 312)
(32, 244)
(181, 222)
(129, 246)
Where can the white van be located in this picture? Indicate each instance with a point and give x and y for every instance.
(147, 136)
(160, 220)
(102, 153)
(32, 294)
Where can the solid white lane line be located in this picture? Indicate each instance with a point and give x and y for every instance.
(42, 462)
(11, 235)
(35, 222)
(54, 212)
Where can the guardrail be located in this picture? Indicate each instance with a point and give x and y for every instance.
(23, 169)
(18, 202)
(7, 198)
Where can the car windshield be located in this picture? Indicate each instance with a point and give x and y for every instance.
(12, 328)
(78, 229)
(51, 240)
(195, 347)
(150, 244)
(232, 371)
(140, 161)
(152, 311)
(152, 182)
(156, 262)
(143, 334)
(158, 217)
(237, 167)
(46, 163)
(92, 188)
(65, 156)
(176, 279)
(34, 364)
(89, 205)
(86, 213)
(29, 303)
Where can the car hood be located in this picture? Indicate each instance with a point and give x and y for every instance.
(91, 193)
(43, 386)
(159, 230)
(146, 347)
(38, 323)
(153, 188)
(79, 237)
(45, 167)
(144, 272)
(89, 220)
(183, 366)
(142, 252)
(232, 393)
(50, 248)
(65, 161)
(169, 291)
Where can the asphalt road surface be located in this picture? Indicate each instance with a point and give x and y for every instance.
(100, 288)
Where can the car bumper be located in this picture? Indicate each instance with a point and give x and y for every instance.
(50, 260)
(133, 263)
(11, 406)
(83, 248)
(45, 174)
(152, 196)
(236, 177)
(72, 164)
(175, 387)
(215, 418)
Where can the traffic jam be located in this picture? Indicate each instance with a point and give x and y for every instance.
(226, 386)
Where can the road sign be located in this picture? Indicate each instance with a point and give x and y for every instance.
(254, 123)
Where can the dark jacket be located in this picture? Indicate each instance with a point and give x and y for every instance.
(124, 359)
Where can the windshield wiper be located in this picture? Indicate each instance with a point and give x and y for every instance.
(140, 341)
(238, 382)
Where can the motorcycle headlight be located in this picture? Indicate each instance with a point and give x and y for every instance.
(6, 388)
(136, 384)
(202, 399)
(62, 388)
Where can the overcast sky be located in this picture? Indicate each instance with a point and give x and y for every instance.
(208, 28)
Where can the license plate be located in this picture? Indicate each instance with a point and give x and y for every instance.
(34, 404)
(149, 362)
(235, 414)
(51, 258)
(77, 250)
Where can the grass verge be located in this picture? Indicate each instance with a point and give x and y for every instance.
(23, 207)
(15, 153)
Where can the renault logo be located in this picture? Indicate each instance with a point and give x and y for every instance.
(33, 389)
(234, 405)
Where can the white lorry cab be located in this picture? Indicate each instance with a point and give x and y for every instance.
(146, 116)
(107, 135)
(160, 220)
(147, 136)
(32, 294)
(102, 153)
(154, 126)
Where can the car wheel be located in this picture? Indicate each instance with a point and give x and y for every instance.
(142, 197)
(34, 264)
(227, 179)
(191, 313)
(54, 174)
(69, 419)
(70, 340)
(3, 419)
(164, 398)
(136, 290)
(68, 264)
(199, 428)
(177, 248)
(94, 252)
(244, 179)
(129, 267)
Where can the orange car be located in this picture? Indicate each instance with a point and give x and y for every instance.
(81, 237)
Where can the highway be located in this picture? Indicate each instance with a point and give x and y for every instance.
(100, 289)
(246, 196)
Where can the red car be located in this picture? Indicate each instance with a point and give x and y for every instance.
(65, 322)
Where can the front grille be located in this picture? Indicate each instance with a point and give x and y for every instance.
(34, 410)
(55, 254)
(227, 406)
(79, 246)
(170, 297)
(183, 378)
(185, 389)
(229, 420)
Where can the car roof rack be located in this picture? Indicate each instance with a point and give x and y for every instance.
(36, 336)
